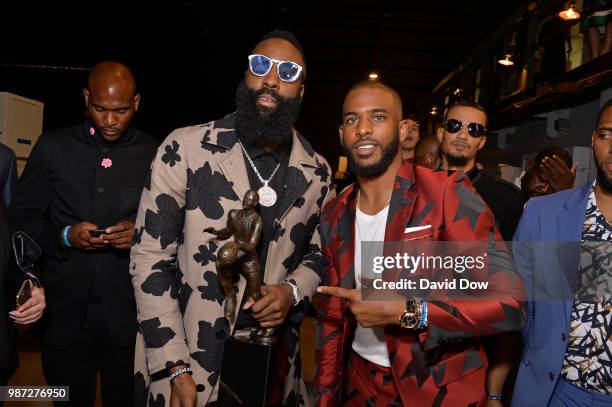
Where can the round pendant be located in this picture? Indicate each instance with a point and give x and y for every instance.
(267, 196)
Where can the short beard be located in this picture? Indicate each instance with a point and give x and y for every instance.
(262, 126)
(604, 182)
(454, 161)
(374, 170)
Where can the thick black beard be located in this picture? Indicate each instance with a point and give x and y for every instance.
(456, 161)
(374, 170)
(263, 126)
(604, 182)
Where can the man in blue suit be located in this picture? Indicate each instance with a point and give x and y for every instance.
(567, 354)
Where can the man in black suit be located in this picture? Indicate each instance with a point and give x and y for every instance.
(78, 198)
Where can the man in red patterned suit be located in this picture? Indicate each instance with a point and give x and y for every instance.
(405, 352)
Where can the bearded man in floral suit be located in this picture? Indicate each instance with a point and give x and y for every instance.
(199, 175)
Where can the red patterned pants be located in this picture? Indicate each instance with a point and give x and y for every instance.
(369, 384)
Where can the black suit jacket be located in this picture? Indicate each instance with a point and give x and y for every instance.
(8, 173)
(71, 176)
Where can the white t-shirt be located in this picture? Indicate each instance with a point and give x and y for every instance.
(369, 343)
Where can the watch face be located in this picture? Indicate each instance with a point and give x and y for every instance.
(409, 320)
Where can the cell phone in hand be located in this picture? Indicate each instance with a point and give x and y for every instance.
(96, 232)
(24, 293)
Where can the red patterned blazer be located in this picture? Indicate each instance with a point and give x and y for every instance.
(445, 365)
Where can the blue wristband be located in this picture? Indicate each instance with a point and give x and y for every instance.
(423, 318)
(496, 397)
(65, 235)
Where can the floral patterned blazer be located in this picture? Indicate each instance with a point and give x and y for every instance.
(198, 176)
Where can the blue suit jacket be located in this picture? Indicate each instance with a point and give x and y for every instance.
(550, 267)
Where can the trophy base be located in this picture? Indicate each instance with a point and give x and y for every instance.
(266, 337)
(262, 336)
(245, 370)
(266, 340)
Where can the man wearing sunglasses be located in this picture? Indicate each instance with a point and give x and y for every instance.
(462, 135)
(199, 175)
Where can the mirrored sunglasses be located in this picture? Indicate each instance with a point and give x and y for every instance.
(260, 65)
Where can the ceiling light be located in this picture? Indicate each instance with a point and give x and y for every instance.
(506, 61)
(433, 111)
(373, 76)
(570, 13)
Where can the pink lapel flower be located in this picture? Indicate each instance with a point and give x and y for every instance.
(107, 163)
(92, 131)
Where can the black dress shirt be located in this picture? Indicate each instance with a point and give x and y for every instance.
(266, 162)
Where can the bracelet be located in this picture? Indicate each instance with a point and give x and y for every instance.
(65, 236)
(297, 295)
(497, 397)
(423, 318)
(179, 372)
(418, 312)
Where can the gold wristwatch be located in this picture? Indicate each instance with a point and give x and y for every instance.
(410, 318)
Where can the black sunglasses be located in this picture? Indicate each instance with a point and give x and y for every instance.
(473, 129)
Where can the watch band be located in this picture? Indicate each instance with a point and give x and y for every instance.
(411, 305)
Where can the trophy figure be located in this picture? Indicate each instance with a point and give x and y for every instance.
(240, 256)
